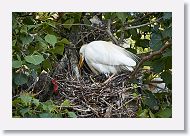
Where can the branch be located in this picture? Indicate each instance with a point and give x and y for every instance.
(83, 25)
(138, 19)
(131, 27)
(110, 34)
(121, 37)
(150, 56)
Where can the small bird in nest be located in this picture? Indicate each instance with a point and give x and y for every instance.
(107, 58)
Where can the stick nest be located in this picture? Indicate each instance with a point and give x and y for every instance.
(90, 97)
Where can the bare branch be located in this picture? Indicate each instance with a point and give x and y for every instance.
(121, 37)
(150, 56)
(110, 34)
(84, 25)
(132, 27)
(139, 19)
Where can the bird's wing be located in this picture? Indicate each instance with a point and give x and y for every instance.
(109, 54)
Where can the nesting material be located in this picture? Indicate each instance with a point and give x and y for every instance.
(90, 97)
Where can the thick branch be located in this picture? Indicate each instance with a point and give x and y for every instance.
(150, 56)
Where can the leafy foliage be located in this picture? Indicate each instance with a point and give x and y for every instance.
(39, 40)
(27, 106)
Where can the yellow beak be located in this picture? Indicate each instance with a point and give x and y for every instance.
(81, 61)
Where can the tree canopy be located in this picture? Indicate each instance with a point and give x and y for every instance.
(40, 41)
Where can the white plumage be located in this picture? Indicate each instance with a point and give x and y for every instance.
(106, 57)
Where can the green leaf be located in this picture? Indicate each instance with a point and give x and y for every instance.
(76, 16)
(36, 102)
(134, 34)
(32, 26)
(72, 115)
(144, 43)
(26, 39)
(42, 42)
(24, 29)
(16, 64)
(51, 23)
(24, 111)
(26, 98)
(20, 79)
(34, 59)
(155, 29)
(132, 50)
(167, 32)
(46, 115)
(44, 107)
(122, 16)
(143, 113)
(145, 28)
(28, 20)
(16, 102)
(167, 53)
(110, 15)
(86, 21)
(168, 62)
(151, 114)
(158, 65)
(150, 100)
(68, 23)
(58, 49)
(156, 41)
(47, 65)
(167, 15)
(14, 42)
(166, 113)
(167, 78)
(51, 39)
(18, 57)
(49, 106)
(66, 103)
(64, 41)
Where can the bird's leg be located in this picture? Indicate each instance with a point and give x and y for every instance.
(105, 82)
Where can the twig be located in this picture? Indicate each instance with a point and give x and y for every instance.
(132, 27)
(132, 99)
(138, 19)
(158, 82)
(93, 110)
(122, 36)
(84, 25)
(108, 30)
(108, 104)
(150, 56)
(69, 47)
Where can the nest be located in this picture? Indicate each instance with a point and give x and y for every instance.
(92, 97)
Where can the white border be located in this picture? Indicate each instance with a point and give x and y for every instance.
(174, 123)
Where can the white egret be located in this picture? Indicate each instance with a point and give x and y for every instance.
(106, 57)
(157, 87)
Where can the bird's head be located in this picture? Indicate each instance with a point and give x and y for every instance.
(81, 61)
(81, 53)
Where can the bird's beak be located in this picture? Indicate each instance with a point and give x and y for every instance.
(81, 61)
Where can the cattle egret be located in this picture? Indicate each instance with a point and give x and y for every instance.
(157, 87)
(106, 57)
